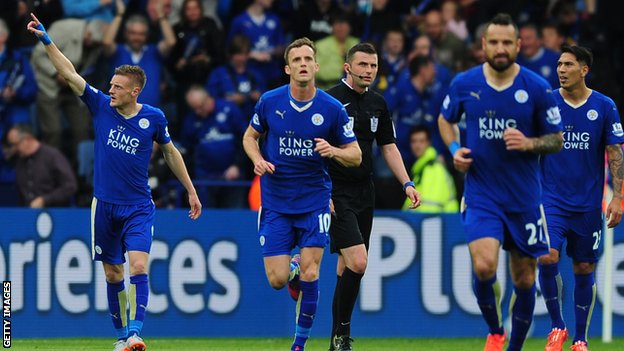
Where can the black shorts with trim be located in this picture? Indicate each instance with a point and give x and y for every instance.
(353, 222)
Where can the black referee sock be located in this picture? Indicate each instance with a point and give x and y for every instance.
(349, 287)
(335, 308)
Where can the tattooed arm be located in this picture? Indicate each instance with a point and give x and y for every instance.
(545, 144)
(614, 210)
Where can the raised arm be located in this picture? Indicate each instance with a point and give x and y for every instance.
(62, 64)
(108, 41)
(169, 38)
(614, 210)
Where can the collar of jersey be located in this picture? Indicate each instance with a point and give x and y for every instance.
(300, 106)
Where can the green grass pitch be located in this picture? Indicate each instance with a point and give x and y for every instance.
(315, 344)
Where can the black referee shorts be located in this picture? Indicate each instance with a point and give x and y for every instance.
(352, 225)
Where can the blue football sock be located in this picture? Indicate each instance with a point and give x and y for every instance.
(139, 292)
(584, 299)
(488, 295)
(117, 306)
(305, 312)
(521, 310)
(551, 286)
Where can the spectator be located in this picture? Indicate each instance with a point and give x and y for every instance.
(212, 135)
(331, 52)
(44, 176)
(266, 35)
(198, 47)
(197, 51)
(453, 22)
(137, 51)
(552, 37)
(377, 22)
(209, 8)
(534, 56)
(89, 9)
(393, 59)
(411, 102)
(16, 15)
(448, 49)
(80, 41)
(235, 81)
(314, 19)
(422, 47)
(433, 181)
(17, 84)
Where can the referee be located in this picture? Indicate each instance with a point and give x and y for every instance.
(353, 193)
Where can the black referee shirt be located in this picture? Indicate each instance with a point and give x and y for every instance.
(371, 121)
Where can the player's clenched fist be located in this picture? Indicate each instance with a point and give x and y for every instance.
(324, 148)
(261, 167)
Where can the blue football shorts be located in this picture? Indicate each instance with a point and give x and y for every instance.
(522, 231)
(116, 229)
(581, 230)
(281, 232)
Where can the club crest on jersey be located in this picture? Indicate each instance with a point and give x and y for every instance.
(521, 96)
(317, 119)
(617, 129)
(144, 123)
(374, 123)
(592, 115)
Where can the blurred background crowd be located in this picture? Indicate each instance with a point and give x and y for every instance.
(208, 61)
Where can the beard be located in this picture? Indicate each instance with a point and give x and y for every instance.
(500, 66)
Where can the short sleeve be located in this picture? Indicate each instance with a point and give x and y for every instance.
(94, 99)
(162, 130)
(343, 133)
(258, 120)
(452, 109)
(613, 126)
(549, 116)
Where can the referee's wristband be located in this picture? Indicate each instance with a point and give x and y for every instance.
(45, 38)
(454, 147)
(407, 184)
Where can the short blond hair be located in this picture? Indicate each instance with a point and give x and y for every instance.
(136, 73)
(297, 44)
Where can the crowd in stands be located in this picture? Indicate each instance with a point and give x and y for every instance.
(208, 62)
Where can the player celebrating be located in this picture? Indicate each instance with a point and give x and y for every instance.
(299, 123)
(353, 190)
(122, 211)
(573, 186)
(511, 118)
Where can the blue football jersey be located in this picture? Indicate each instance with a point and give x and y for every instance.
(301, 181)
(123, 147)
(498, 177)
(545, 64)
(573, 179)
